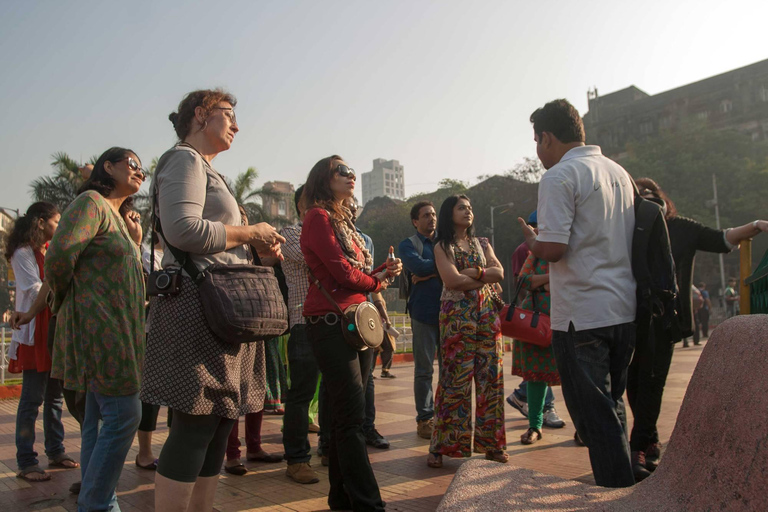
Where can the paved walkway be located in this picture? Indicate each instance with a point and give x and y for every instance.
(407, 484)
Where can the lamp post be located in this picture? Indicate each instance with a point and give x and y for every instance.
(493, 240)
(713, 202)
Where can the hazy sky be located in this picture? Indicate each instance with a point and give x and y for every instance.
(446, 87)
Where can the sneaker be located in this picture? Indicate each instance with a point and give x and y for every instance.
(638, 466)
(387, 375)
(518, 404)
(302, 473)
(424, 428)
(652, 456)
(373, 438)
(552, 420)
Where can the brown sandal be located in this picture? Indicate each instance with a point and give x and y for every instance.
(498, 456)
(531, 436)
(435, 460)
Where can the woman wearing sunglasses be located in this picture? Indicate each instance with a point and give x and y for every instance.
(208, 382)
(336, 255)
(93, 266)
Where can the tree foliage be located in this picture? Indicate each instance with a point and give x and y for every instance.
(684, 161)
(530, 170)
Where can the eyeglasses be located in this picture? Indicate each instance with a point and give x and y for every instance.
(229, 112)
(135, 167)
(346, 172)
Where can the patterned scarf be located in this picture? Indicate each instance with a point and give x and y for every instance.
(348, 238)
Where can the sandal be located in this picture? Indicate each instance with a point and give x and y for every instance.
(152, 466)
(434, 460)
(262, 456)
(24, 474)
(237, 469)
(60, 461)
(498, 456)
(531, 436)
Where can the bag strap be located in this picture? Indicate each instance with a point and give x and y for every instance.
(316, 282)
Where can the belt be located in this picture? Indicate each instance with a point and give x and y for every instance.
(328, 318)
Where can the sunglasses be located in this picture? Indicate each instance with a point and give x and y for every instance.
(346, 172)
(229, 112)
(135, 167)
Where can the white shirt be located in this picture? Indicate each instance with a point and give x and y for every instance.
(146, 259)
(586, 201)
(28, 284)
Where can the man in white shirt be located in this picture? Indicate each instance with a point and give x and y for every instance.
(586, 221)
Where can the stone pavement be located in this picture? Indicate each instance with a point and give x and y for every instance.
(406, 483)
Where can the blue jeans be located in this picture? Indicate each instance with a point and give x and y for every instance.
(107, 434)
(426, 343)
(304, 374)
(38, 388)
(522, 394)
(593, 371)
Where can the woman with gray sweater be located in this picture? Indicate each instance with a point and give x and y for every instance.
(207, 382)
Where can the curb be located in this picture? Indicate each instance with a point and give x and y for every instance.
(10, 391)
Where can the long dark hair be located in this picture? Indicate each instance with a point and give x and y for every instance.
(102, 182)
(446, 232)
(317, 189)
(25, 230)
(647, 184)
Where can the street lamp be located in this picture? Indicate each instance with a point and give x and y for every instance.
(493, 240)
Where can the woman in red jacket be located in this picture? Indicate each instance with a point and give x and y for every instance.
(336, 255)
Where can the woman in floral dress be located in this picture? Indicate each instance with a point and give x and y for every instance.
(470, 337)
(536, 365)
(94, 269)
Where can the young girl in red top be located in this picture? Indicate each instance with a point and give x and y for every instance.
(25, 251)
(336, 256)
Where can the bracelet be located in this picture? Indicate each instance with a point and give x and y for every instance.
(479, 274)
(482, 274)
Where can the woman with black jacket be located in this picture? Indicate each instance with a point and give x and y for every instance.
(647, 376)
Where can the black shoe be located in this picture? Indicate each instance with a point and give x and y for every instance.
(373, 438)
(685, 343)
(577, 439)
(652, 456)
(638, 466)
(75, 488)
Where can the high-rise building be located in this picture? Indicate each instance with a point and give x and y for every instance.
(386, 179)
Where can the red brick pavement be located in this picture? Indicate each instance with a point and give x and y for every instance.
(406, 483)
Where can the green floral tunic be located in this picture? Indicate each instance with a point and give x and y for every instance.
(94, 269)
(529, 361)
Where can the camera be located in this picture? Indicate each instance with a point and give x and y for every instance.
(164, 282)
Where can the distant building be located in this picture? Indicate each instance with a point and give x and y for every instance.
(277, 201)
(736, 100)
(6, 222)
(386, 179)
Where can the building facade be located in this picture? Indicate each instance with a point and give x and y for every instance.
(386, 179)
(735, 100)
(277, 202)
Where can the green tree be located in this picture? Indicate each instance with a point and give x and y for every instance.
(61, 187)
(530, 170)
(683, 162)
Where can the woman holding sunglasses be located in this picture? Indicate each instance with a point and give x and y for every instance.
(208, 382)
(93, 266)
(336, 255)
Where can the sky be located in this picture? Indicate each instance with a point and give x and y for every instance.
(445, 87)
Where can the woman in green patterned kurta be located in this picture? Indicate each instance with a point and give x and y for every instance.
(536, 365)
(94, 268)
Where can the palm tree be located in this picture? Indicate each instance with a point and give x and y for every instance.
(246, 195)
(61, 187)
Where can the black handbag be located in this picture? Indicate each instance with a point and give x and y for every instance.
(242, 303)
(361, 323)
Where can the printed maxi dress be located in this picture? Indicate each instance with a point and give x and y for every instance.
(471, 346)
(532, 362)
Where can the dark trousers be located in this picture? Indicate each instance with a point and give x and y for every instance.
(304, 374)
(645, 385)
(387, 353)
(369, 425)
(345, 375)
(593, 370)
(38, 388)
(253, 421)
(704, 321)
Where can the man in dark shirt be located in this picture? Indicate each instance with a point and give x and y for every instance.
(519, 397)
(418, 257)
